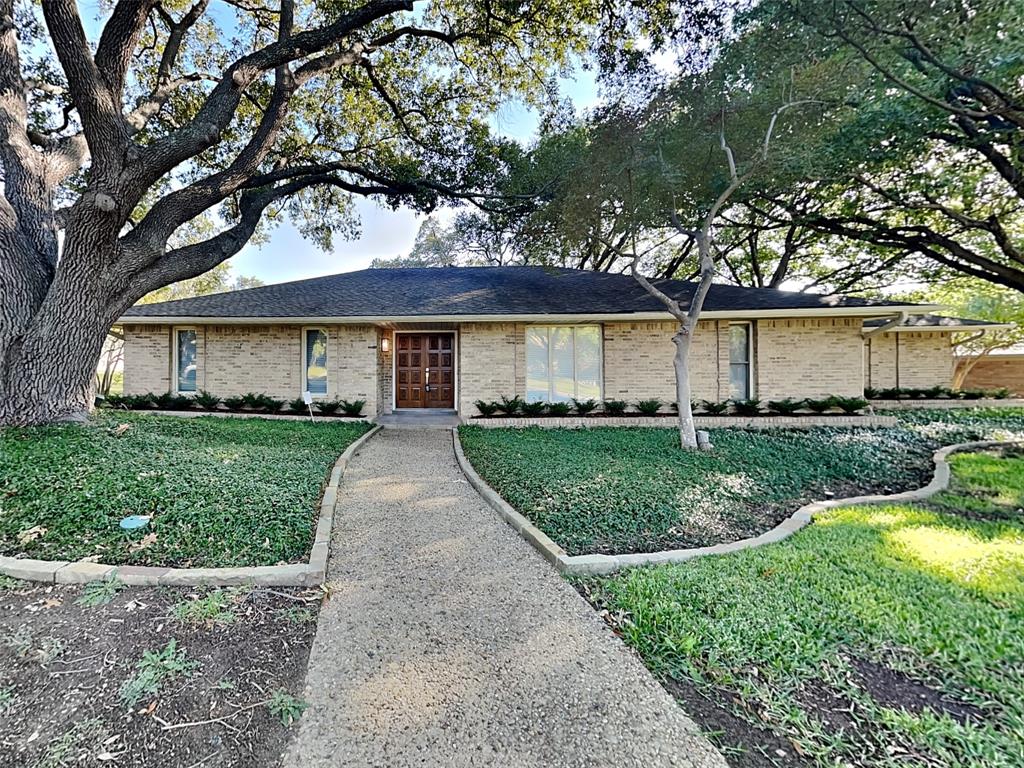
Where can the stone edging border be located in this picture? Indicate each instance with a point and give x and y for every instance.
(306, 574)
(702, 422)
(603, 564)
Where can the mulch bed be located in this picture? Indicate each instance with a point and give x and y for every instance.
(63, 668)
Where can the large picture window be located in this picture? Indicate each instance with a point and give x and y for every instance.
(314, 342)
(563, 362)
(740, 361)
(185, 360)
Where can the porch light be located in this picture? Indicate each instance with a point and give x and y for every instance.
(385, 344)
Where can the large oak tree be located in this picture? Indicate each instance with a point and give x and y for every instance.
(180, 112)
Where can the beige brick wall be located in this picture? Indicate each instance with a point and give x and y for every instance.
(908, 359)
(638, 361)
(491, 362)
(235, 359)
(809, 357)
(147, 359)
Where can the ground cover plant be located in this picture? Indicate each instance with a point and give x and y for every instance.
(632, 490)
(880, 636)
(133, 685)
(218, 492)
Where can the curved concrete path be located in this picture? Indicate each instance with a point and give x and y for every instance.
(448, 641)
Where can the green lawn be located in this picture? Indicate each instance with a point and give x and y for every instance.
(633, 490)
(879, 636)
(608, 490)
(221, 492)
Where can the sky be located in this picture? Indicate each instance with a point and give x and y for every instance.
(385, 233)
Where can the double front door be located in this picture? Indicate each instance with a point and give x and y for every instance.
(425, 370)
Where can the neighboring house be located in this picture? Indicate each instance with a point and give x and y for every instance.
(915, 351)
(446, 337)
(999, 368)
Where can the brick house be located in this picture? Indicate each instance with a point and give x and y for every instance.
(446, 337)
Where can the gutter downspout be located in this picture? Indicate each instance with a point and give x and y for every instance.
(899, 319)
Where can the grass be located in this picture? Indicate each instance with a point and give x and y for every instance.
(220, 492)
(217, 607)
(632, 489)
(99, 593)
(609, 490)
(934, 596)
(153, 670)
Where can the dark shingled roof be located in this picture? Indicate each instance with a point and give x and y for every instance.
(437, 291)
(929, 322)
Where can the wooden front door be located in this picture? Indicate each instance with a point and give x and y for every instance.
(425, 370)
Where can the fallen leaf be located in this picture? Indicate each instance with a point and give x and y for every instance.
(144, 543)
(120, 429)
(31, 534)
(51, 602)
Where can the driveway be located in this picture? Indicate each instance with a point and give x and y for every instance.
(448, 641)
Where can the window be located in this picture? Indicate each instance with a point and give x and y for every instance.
(740, 380)
(185, 360)
(563, 362)
(314, 343)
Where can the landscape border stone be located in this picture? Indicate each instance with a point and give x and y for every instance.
(603, 564)
(308, 574)
(701, 422)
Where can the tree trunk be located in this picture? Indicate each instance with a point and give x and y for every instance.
(681, 362)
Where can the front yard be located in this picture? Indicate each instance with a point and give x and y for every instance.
(622, 490)
(218, 491)
(879, 636)
(150, 678)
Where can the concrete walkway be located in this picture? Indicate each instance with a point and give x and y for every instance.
(447, 641)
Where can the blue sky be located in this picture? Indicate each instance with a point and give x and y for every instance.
(385, 233)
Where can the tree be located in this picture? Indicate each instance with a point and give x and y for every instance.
(109, 149)
(919, 155)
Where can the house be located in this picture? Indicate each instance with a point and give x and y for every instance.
(916, 351)
(446, 337)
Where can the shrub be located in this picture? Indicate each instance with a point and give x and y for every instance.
(971, 394)
(649, 407)
(164, 399)
(486, 408)
(889, 393)
(713, 408)
(533, 409)
(583, 407)
(271, 404)
(234, 403)
(510, 405)
(785, 407)
(328, 407)
(182, 402)
(205, 400)
(353, 407)
(298, 405)
(749, 407)
(871, 393)
(1002, 393)
(850, 404)
(252, 400)
(113, 401)
(936, 392)
(820, 405)
(615, 407)
(559, 409)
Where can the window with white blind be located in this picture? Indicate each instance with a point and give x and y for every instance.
(741, 380)
(314, 355)
(185, 359)
(563, 362)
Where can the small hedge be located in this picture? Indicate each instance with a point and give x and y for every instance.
(251, 402)
(934, 393)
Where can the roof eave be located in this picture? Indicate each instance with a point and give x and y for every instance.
(738, 314)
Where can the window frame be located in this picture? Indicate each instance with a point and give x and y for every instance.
(749, 325)
(175, 347)
(548, 328)
(304, 364)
